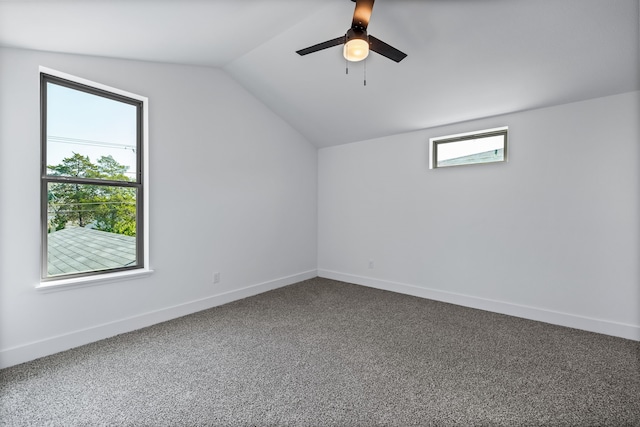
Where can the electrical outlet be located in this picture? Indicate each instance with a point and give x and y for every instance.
(216, 277)
(370, 263)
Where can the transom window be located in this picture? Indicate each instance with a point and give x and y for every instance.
(92, 180)
(486, 146)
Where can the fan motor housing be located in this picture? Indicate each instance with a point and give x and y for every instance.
(356, 33)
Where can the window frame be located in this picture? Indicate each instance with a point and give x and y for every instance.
(140, 184)
(487, 133)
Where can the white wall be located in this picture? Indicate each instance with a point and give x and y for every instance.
(551, 235)
(232, 189)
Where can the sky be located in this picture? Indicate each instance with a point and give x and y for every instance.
(83, 123)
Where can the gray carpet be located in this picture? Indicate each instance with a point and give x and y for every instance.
(326, 353)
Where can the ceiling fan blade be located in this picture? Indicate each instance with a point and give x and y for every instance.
(384, 49)
(320, 46)
(362, 14)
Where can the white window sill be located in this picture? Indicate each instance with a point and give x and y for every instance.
(81, 282)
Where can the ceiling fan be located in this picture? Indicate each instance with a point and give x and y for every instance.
(356, 41)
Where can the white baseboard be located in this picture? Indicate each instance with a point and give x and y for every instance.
(600, 326)
(56, 344)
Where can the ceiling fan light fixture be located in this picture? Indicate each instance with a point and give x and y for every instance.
(356, 50)
(356, 46)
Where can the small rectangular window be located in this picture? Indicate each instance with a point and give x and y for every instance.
(486, 146)
(92, 189)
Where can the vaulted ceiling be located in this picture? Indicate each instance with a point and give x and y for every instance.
(466, 58)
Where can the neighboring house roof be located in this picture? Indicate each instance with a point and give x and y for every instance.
(78, 249)
(486, 157)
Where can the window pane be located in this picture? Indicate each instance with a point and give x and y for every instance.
(471, 151)
(91, 126)
(466, 149)
(90, 228)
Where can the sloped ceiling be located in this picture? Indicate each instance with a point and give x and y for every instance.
(466, 58)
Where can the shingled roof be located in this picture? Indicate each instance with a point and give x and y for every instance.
(79, 249)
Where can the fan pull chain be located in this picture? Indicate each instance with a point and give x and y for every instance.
(365, 71)
(346, 61)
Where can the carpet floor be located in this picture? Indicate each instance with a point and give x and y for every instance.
(327, 353)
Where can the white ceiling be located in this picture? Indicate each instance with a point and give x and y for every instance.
(466, 58)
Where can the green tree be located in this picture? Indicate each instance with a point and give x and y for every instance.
(109, 208)
(73, 202)
(117, 211)
(108, 168)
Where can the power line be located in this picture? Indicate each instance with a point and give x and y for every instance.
(80, 141)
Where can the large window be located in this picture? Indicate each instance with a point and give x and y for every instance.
(92, 178)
